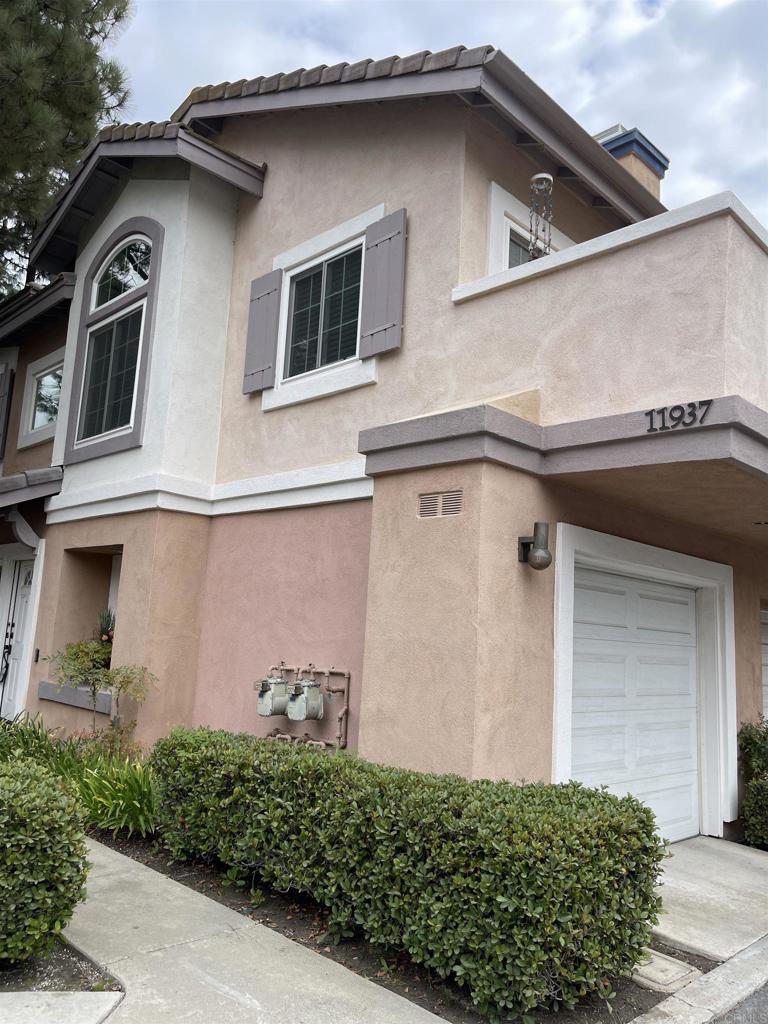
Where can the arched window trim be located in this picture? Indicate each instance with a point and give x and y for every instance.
(135, 237)
(145, 295)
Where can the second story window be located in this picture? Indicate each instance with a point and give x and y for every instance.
(40, 400)
(324, 313)
(114, 340)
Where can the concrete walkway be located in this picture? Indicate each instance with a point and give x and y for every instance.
(184, 958)
(715, 897)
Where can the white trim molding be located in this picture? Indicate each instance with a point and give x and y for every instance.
(508, 214)
(29, 435)
(333, 378)
(311, 485)
(613, 241)
(713, 583)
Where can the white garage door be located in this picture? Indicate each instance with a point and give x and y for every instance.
(635, 695)
(764, 636)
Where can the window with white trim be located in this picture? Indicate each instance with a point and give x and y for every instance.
(509, 235)
(40, 401)
(324, 317)
(114, 341)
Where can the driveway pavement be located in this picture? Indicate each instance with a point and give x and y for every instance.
(184, 957)
(715, 897)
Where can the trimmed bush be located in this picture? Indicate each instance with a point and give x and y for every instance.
(527, 895)
(755, 812)
(753, 747)
(42, 858)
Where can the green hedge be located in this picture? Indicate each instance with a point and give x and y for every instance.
(753, 746)
(42, 858)
(528, 896)
(755, 812)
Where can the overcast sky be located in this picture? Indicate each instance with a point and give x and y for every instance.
(691, 74)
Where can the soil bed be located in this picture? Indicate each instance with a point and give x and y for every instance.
(299, 918)
(63, 970)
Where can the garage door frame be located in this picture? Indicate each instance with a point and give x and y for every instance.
(713, 583)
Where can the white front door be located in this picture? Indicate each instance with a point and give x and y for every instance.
(635, 694)
(764, 638)
(15, 638)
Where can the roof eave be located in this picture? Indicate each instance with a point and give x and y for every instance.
(29, 308)
(185, 146)
(518, 100)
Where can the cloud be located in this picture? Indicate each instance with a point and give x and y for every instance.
(691, 74)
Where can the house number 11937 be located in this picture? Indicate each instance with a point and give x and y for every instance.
(670, 416)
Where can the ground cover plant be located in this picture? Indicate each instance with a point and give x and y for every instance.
(42, 858)
(753, 746)
(526, 895)
(115, 789)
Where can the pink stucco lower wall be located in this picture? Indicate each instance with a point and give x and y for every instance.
(284, 585)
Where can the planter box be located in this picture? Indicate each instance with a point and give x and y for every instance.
(76, 697)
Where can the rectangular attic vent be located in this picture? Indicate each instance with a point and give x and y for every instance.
(444, 503)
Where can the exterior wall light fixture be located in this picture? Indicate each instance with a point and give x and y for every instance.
(535, 550)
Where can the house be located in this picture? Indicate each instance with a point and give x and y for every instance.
(296, 393)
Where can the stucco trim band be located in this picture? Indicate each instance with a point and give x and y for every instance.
(311, 485)
(704, 209)
(734, 431)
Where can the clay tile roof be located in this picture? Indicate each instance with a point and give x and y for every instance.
(386, 67)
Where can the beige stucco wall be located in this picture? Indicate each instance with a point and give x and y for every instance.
(158, 625)
(652, 324)
(640, 170)
(459, 662)
(286, 585)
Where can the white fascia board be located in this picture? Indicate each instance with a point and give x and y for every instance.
(313, 485)
(622, 238)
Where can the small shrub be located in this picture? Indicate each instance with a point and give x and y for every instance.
(753, 747)
(755, 812)
(42, 858)
(119, 795)
(527, 895)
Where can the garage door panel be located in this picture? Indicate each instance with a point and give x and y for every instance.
(674, 803)
(611, 747)
(609, 675)
(634, 695)
(666, 614)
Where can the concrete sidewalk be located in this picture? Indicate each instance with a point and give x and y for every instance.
(184, 957)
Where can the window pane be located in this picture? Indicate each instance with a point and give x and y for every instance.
(128, 269)
(341, 307)
(46, 404)
(518, 252)
(111, 375)
(305, 322)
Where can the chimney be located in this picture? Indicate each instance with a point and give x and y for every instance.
(635, 152)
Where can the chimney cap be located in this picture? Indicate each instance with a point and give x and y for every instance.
(619, 141)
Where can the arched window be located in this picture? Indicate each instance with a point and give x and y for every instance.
(110, 371)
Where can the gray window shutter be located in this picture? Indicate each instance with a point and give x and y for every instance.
(261, 342)
(6, 390)
(381, 318)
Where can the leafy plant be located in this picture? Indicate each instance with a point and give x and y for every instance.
(527, 895)
(753, 747)
(42, 858)
(87, 664)
(119, 795)
(755, 812)
(105, 629)
(116, 791)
